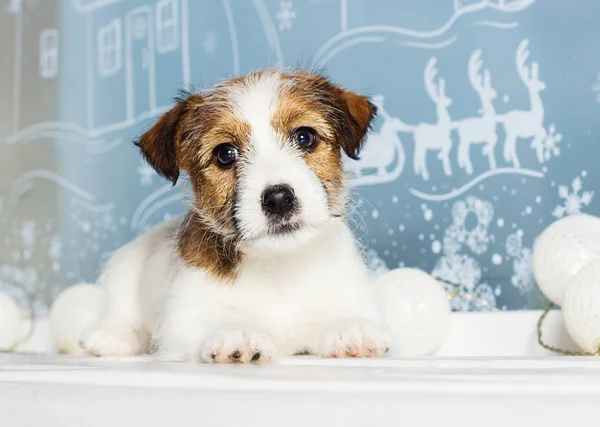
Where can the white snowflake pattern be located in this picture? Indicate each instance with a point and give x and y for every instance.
(210, 43)
(477, 237)
(550, 144)
(522, 277)
(574, 199)
(464, 271)
(487, 294)
(461, 269)
(596, 88)
(514, 243)
(286, 15)
(146, 173)
(458, 269)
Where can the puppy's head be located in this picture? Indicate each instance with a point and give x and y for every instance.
(264, 155)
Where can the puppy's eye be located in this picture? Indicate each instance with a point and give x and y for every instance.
(306, 138)
(225, 155)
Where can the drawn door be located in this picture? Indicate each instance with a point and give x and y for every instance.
(141, 95)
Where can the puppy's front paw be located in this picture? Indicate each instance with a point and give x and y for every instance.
(355, 339)
(242, 345)
(114, 339)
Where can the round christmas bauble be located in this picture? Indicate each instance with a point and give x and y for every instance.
(581, 308)
(416, 310)
(564, 248)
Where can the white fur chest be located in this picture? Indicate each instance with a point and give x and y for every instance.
(285, 292)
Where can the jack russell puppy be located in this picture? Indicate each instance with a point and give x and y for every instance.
(263, 265)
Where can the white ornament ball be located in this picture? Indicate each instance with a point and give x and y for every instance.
(581, 308)
(416, 310)
(76, 308)
(564, 248)
(14, 323)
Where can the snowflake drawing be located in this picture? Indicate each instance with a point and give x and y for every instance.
(464, 271)
(210, 43)
(470, 222)
(286, 15)
(458, 269)
(550, 144)
(573, 199)
(146, 174)
(596, 88)
(460, 233)
(487, 294)
(523, 279)
(514, 243)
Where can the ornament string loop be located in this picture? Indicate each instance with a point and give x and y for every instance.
(551, 348)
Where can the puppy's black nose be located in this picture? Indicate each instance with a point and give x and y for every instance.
(278, 200)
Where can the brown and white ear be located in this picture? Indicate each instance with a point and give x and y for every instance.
(159, 144)
(360, 113)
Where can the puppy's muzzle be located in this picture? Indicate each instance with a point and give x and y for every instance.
(278, 201)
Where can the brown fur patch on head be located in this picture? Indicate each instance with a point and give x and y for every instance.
(185, 139)
(359, 116)
(340, 117)
(212, 124)
(349, 113)
(158, 145)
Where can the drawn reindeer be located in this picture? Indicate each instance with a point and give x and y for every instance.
(525, 123)
(382, 147)
(477, 130)
(436, 136)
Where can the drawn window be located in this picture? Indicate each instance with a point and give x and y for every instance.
(167, 37)
(110, 48)
(49, 53)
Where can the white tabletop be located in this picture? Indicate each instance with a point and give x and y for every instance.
(490, 372)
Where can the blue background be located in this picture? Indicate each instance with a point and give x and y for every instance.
(474, 229)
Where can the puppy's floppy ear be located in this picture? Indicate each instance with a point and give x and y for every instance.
(159, 144)
(360, 113)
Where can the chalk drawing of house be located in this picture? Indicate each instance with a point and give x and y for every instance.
(119, 47)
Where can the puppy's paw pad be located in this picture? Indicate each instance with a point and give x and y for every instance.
(237, 346)
(355, 339)
(376, 342)
(113, 341)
